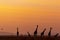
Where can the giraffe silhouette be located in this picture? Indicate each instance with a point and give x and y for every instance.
(17, 32)
(28, 34)
(49, 34)
(42, 33)
(56, 35)
(35, 32)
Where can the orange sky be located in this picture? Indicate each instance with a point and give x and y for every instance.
(26, 14)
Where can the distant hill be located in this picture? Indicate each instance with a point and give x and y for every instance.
(6, 33)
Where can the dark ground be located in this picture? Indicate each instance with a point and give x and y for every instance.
(27, 38)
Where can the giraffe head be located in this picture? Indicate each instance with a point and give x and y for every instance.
(45, 29)
(50, 28)
(37, 26)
